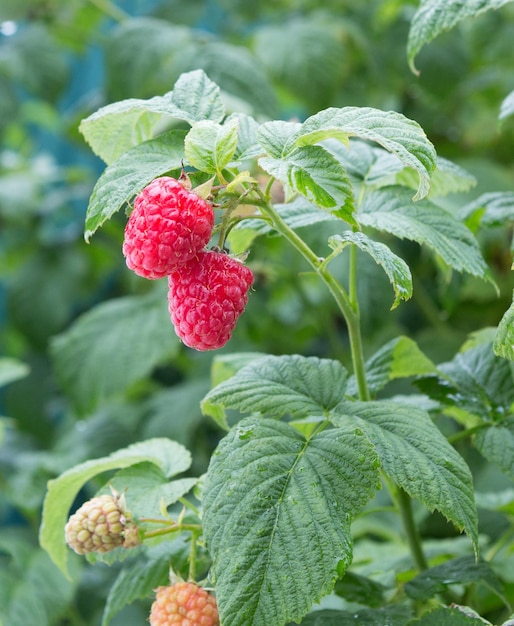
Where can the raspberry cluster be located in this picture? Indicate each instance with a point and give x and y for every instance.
(183, 604)
(166, 235)
(100, 525)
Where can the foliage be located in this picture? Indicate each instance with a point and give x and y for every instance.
(321, 468)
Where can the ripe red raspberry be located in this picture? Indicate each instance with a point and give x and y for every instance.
(184, 604)
(205, 298)
(167, 227)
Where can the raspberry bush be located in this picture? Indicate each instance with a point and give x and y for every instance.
(336, 482)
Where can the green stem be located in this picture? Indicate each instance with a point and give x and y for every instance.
(349, 312)
(411, 530)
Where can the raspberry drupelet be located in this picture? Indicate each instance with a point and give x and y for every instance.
(184, 604)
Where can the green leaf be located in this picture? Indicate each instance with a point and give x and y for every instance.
(445, 616)
(169, 456)
(393, 131)
(277, 137)
(435, 16)
(495, 208)
(318, 176)
(279, 385)
(356, 588)
(392, 615)
(244, 84)
(303, 55)
(114, 129)
(112, 346)
(475, 381)
(224, 366)
(11, 370)
(398, 358)
(496, 444)
(147, 489)
(504, 341)
(277, 504)
(247, 145)
(417, 457)
(391, 210)
(448, 177)
(130, 173)
(396, 269)
(462, 570)
(209, 147)
(507, 106)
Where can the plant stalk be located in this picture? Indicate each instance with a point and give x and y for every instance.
(411, 530)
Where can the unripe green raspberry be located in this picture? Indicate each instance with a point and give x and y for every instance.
(100, 525)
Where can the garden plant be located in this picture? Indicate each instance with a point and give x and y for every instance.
(300, 456)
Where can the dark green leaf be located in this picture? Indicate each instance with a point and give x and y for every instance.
(391, 210)
(280, 385)
(445, 616)
(359, 589)
(276, 504)
(417, 457)
(496, 444)
(393, 615)
(462, 570)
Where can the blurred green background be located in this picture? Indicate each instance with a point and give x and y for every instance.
(60, 60)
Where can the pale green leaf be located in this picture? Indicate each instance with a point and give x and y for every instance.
(209, 147)
(398, 358)
(112, 346)
(169, 456)
(504, 341)
(393, 131)
(276, 504)
(417, 457)
(318, 176)
(147, 489)
(127, 176)
(11, 370)
(117, 127)
(247, 145)
(391, 210)
(280, 385)
(494, 208)
(507, 106)
(277, 137)
(396, 269)
(448, 177)
(436, 16)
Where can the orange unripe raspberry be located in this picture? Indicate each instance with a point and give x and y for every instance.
(184, 604)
